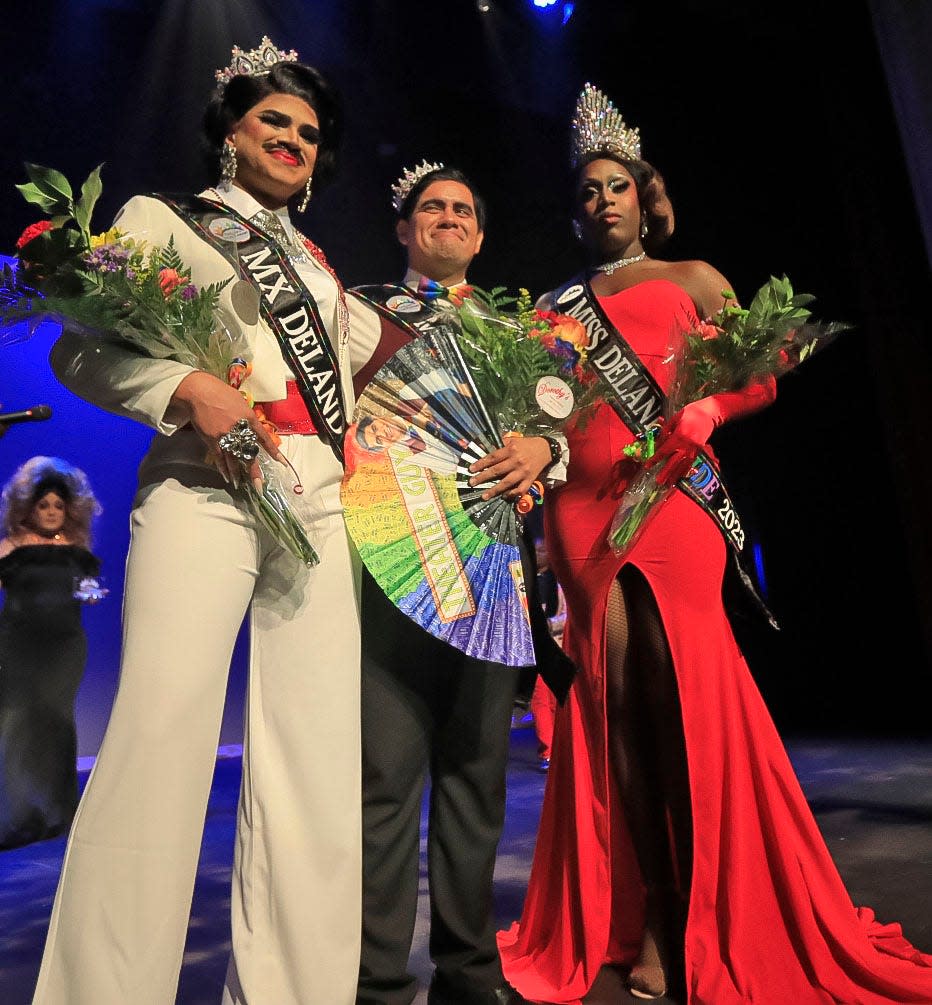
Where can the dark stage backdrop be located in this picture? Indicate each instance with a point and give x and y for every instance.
(774, 129)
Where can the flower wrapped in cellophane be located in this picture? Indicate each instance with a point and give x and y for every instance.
(116, 286)
(724, 353)
(528, 365)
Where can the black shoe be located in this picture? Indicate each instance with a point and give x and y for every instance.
(504, 994)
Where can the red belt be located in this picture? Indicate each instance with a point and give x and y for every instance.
(290, 415)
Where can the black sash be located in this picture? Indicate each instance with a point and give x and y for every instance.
(418, 318)
(638, 401)
(286, 305)
(404, 308)
(410, 316)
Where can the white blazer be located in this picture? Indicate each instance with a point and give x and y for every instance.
(121, 379)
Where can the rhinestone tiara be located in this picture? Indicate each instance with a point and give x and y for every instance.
(411, 176)
(598, 126)
(255, 61)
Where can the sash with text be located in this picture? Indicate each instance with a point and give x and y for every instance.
(285, 303)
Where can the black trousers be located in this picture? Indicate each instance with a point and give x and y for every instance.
(428, 708)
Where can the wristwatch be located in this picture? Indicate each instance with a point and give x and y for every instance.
(556, 450)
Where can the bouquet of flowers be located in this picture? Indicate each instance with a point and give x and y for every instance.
(771, 337)
(528, 366)
(115, 286)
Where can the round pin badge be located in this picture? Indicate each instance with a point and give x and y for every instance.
(568, 294)
(402, 304)
(228, 230)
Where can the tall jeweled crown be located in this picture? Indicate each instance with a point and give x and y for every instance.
(258, 60)
(402, 188)
(598, 125)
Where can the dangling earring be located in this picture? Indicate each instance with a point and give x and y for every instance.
(302, 205)
(644, 228)
(228, 162)
(577, 230)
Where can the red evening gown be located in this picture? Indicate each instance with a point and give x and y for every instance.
(769, 921)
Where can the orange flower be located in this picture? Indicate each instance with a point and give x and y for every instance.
(170, 280)
(270, 426)
(706, 330)
(569, 330)
(547, 340)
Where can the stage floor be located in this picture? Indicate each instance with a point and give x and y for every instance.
(872, 799)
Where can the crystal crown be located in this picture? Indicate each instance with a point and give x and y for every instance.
(255, 61)
(411, 176)
(598, 126)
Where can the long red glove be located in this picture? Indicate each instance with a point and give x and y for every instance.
(688, 431)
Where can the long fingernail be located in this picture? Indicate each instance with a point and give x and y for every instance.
(257, 484)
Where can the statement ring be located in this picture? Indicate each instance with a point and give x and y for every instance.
(241, 441)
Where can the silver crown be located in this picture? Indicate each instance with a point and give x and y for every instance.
(402, 188)
(258, 60)
(598, 126)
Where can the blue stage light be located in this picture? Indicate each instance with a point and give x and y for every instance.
(758, 553)
(567, 8)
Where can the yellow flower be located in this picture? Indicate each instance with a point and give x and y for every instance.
(111, 236)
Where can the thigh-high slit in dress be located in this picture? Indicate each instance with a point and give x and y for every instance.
(769, 919)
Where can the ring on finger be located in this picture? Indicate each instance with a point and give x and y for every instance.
(241, 441)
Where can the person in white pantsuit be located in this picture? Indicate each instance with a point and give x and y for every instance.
(198, 563)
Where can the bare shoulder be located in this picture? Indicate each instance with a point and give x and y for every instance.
(6, 546)
(706, 286)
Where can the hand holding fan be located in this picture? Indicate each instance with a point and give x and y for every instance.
(445, 556)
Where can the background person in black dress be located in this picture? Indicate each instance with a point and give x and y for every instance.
(46, 512)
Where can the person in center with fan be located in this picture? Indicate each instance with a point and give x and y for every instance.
(426, 706)
(675, 843)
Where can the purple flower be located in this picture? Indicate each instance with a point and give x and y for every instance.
(107, 258)
(189, 292)
(565, 351)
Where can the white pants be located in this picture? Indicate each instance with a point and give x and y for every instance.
(196, 565)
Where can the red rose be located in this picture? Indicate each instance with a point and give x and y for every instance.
(32, 232)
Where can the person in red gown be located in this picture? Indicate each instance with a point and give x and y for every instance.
(675, 842)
